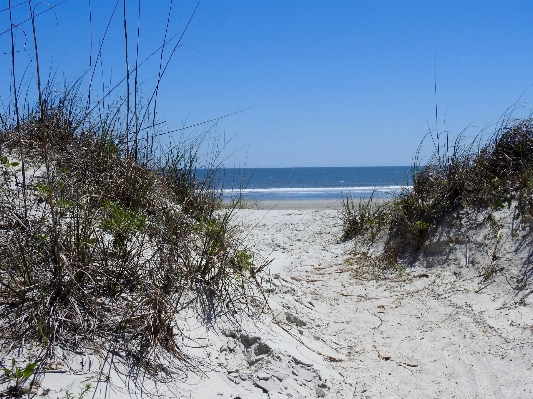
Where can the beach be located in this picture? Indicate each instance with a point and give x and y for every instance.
(307, 204)
(316, 204)
(266, 200)
(325, 318)
(332, 331)
(432, 332)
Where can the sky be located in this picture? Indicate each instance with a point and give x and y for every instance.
(322, 83)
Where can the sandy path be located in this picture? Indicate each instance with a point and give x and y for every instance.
(427, 336)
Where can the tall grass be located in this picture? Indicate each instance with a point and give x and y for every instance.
(103, 246)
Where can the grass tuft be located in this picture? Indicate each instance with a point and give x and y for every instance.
(108, 239)
(475, 175)
(100, 251)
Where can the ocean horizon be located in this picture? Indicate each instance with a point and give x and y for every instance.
(312, 183)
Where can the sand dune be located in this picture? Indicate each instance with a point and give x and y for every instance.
(334, 330)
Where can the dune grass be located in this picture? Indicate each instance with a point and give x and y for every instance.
(106, 237)
(100, 250)
(487, 173)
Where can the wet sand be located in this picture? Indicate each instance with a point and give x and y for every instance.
(284, 205)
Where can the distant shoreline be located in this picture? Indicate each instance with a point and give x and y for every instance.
(299, 204)
(313, 183)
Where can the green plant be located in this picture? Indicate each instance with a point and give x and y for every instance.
(362, 217)
(401, 268)
(503, 202)
(422, 227)
(42, 189)
(244, 259)
(121, 220)
(18, 376)
(8, 164)
(81, 395)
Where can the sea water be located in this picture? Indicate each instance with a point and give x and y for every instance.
(313, 183)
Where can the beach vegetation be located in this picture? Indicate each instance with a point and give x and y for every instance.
(105, 252)
(84, 391)
(363, 217)
(108, 236)
(18, 376)
(489, 172)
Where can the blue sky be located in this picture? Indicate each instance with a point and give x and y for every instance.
(328, 83)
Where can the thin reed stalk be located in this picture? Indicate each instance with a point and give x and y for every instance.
(127, 126)
(136, 82)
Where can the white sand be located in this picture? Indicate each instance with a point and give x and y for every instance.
(335, 332)
(426, 336)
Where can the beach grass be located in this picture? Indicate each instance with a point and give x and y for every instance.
(483, 173)
(106, 237)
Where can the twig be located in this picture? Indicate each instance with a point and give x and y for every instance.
(380, 319)
(485, 286)
(380, 355)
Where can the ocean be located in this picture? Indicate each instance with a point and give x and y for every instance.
(274, 184)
